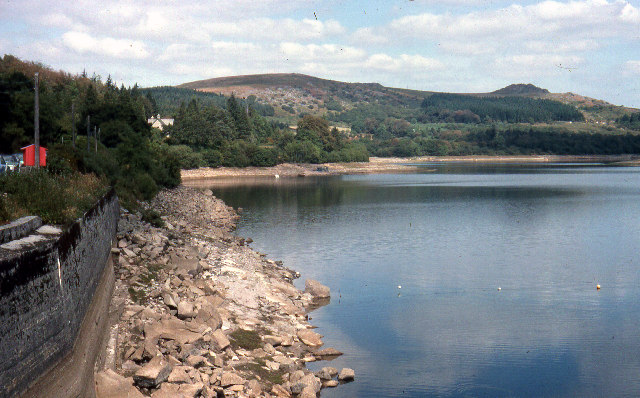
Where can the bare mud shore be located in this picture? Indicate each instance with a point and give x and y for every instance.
(392, 165)
(198, 313)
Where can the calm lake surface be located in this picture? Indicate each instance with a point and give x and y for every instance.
(544, 234)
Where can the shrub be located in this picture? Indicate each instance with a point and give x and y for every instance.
(145, 184)
(263, 157)
(212, 157)
(57, 199)
(303, 152)
(152, 217)
(186, 157)
(235, 155)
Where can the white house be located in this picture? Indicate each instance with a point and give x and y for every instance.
(160, 123)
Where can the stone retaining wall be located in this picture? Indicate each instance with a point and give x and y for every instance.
(45, 293)
(19, 228)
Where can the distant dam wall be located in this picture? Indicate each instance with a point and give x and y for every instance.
(45, 292)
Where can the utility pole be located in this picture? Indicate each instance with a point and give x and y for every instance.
(95, 137)
(73, 125)
(88, 131)
(36, 122)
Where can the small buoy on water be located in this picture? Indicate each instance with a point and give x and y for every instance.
(499, 288)
(598, 287)
(399, 287)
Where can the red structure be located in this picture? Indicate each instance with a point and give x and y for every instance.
(29, 155)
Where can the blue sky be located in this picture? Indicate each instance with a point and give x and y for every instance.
(589, 47)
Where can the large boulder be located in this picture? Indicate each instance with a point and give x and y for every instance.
(169, 390)
(327, 373)
(316, 289)
(327, 353)
(153, 373)
(229, 379)
(308, 383)
(347, 374)
(109, 384)
(179, 375)
(189, 265)
(310, 338)
(185, 310)
(174, 329)
(220, 340)
(209, 315)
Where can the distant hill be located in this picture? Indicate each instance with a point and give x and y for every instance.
(521, 89)
(294, 94)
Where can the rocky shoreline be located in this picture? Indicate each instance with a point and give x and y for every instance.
(391, 165)
(198, 313)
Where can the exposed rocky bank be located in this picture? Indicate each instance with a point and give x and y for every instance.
(198, 313)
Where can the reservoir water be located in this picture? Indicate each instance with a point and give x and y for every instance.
(464, 280)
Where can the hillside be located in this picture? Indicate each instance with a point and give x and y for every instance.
(293, 94)
(522, 89)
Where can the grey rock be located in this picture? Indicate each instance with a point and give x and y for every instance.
(153, 373)
(327, 353)
(109, 384)
(347, 374)
(229, 378)
(171, 300)
(327, 373)
(330, 383)
(185, 310)
(310, 338)
(316, 289)
(221, 341)
(208, 314)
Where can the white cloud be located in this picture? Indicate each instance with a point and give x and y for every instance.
(599, 18)
(369, 36)
(528, 67)
(404, 63)
(468, 48)
(118, 48)
(630, 14)
(322, 52)
(560, 46)
(632, 67)
(270, 29)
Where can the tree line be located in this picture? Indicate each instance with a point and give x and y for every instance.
(167, 100)
(511, 109)
(126, 153)
(506, 140)
(631, 121)
(238, 136)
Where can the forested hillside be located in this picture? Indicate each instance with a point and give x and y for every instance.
(518, 119)
(166, 100)
(126, 152)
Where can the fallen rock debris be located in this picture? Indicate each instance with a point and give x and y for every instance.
(197, 313)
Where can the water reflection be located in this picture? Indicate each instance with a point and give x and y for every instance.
(544, 235)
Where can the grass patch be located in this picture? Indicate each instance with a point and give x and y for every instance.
(152, 217)
(57, 199)
(150, 274)
(257, 368)
(138, 296)
(247, 339)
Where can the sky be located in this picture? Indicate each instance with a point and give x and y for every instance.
(588, 47)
